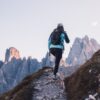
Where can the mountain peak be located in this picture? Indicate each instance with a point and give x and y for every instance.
(11, 53)
(82, 50)
(86, 38)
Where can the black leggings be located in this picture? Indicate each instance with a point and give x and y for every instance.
(58, 55)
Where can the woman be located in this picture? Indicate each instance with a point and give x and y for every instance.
(56, 45)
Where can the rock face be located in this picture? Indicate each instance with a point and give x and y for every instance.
(11, 53)
(15, 69)
(1, 63)
(84, 84)
(82, 50)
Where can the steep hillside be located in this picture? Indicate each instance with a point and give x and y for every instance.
(38, 86)
(85, 82)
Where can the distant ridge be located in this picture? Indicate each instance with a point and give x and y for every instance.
(14, 69)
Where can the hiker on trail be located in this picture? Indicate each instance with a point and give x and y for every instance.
(56, 45)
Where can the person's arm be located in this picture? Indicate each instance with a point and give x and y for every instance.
(66, 38)
(49, 41)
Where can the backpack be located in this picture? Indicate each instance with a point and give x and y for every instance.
(56, 37)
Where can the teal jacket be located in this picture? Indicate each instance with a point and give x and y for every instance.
(61, 45)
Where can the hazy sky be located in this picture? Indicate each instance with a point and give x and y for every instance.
(27, 24)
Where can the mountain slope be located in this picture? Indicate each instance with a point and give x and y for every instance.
(85, 82)
(82, 84)
(38, 86)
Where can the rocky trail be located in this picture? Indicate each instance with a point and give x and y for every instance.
(46, 88)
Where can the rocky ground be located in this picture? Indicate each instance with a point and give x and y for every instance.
(46, 88)
(38, 86)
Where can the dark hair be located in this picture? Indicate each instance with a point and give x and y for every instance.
(60, 27)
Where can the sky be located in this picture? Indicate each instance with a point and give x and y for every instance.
(27, 24)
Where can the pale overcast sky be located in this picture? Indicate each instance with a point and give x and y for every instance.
(27, 24)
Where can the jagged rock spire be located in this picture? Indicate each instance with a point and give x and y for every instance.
(82, 50)
(11, 53)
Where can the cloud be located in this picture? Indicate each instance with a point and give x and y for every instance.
(94, 24)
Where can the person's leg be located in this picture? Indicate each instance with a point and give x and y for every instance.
(52, 57)
(57, 60)
(52, 51)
